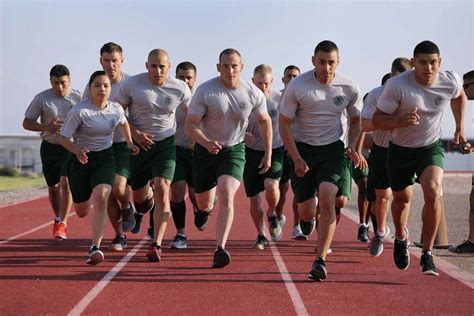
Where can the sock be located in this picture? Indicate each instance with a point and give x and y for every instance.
(57, 219)
(155, 244)
(178, 210)
(374, 222)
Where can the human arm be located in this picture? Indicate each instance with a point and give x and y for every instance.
(289, 142)
(32, 125)
(265, 125)
(457, 107)
(125, 129)
(80, 153)
(195, 134)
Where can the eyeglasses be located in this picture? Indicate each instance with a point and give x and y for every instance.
(466, 85)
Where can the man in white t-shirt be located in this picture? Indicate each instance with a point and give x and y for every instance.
(314, 102)
(412, 105)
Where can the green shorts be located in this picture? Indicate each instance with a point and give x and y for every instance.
(100, 169)
(285, 175)
(253, 181)
(327, 163)
(122, 159)
(345, 184)
(208, 167)
(378, 173)
(404, 163)
(184, 166)
(158, 161)
(55, 160)
(358, 174)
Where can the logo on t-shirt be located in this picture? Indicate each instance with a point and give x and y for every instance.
(242, 105)
(112, 123)
(168, 100)
(338, 100)
(438, 100)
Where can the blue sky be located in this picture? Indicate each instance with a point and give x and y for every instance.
(35, 35)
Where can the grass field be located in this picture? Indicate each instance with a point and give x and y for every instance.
(18, 183)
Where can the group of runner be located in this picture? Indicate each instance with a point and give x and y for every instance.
(152, 135)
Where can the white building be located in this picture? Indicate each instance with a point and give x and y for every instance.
(22, 152)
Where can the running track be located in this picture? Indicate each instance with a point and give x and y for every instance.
(40, 275)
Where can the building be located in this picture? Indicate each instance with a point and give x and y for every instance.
(21, 152)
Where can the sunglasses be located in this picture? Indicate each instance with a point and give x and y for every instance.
(466, 85)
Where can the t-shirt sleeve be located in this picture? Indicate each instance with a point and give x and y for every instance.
(289, 102)
(389, 101)
(197, 105)
(355, 104)
(457, 83)
(33, 112)
(123, 94)
(186, 100)
(260, 106)
(72, 122)
(86, 93)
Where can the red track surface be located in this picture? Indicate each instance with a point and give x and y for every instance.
(40, 275)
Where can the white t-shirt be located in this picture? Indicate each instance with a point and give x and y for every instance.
(152, 108)
(225, 112)
(403, 94)
(47, 106)
(317, 108)
(93, 128)
(381, 138)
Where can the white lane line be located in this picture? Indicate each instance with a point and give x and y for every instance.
(30, 231)
(86, 300)
(453, 271)
(290, 286)
(24, 201)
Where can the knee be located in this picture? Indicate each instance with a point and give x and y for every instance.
(118, 191)
(341, 201)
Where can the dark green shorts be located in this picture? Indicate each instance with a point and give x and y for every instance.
(404, 163)
(100, 169)
(358, 174)
(378, 173)
(328, 163)
(122, 159)
(208, 167)
(345, 184)
(184, 166)
(158, 161)
(55, 160)
(285, 175)
(253, 181)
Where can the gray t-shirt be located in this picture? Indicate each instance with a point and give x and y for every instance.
(151, 108)
(93, 128)
(273, 101)
(317, 108)
(47, 106)
(182, 140)
(225, 112)
(403, 94)
(381, 138)
(118, 137)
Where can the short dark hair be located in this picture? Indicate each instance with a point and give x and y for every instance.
(186, 65)
(385, 78)
(229, 51)
(468, 75)
(401, 64)
(110, 48)
(326, 46)
(58, 71)
(291, 67)
(426, 47)
(96, 74)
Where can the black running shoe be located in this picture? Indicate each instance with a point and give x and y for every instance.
(465, 247)
(274, 228)
(128, 218)
(307, 227)
(260, 243)
(401, 256)
(221, 258)
(119, 243)
(201, 218)
(318, 270)
(427, 264)
(363, 233)
(138, 223)
(95, 256)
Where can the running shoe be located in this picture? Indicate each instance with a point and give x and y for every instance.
(138, 223)
(153, 253)
(465, 247)
(221, 258)
(318, 270)
(401, 256)
(427, 264)
(261, 242)
(274, 228)
(150, 233)
(95, 256)
(201, 218)
(297, 234)
(376, 246)
(128, 218)
(307, 227)
(119, 243)
(179, 242)
(60, 232)
(363, 233)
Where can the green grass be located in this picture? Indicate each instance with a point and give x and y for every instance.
(18, 183)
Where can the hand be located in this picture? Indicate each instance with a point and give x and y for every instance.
(300, 167)
(459, 137)
(409, 119)
(213, 146)
(265, 164)
(465, 148)
(363, 165)
(81, 155)
(248, 138)
(352, 154)
(143, 140)
(54, 126)
(134, 149)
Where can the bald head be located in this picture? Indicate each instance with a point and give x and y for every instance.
(158, 52)
(158, 66)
